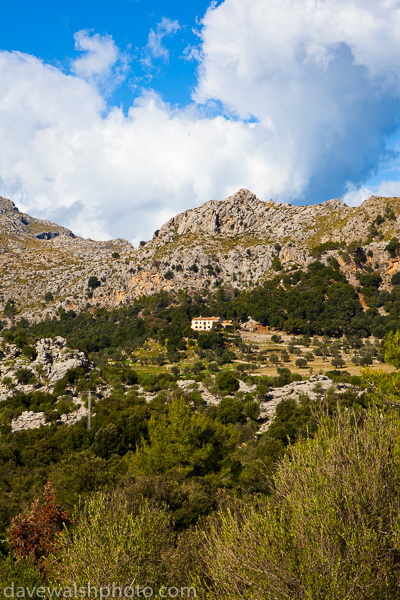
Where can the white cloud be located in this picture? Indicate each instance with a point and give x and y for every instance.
(102, 62)
(155, 49)
(356, 195)
(320, 74)
(192, 53)
(318, 79)
(118, 175)
(101, 54)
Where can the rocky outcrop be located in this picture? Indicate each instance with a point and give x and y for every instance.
(53, 359)
(315, 388)
(208, 397)
(52, 362)
(295, 390)
(56, 359)
(243, 213)
(32, 420)
(13, 222)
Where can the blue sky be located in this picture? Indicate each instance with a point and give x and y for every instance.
(116, 116)
(45, 29)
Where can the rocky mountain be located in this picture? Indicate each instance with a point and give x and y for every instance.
(239, 241)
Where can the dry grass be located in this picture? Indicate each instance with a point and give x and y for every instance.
(318, 365)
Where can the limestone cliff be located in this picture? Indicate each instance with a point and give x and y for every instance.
(236, 241)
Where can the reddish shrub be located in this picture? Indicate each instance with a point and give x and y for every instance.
(35, 535)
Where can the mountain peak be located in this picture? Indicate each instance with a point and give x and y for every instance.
(335, 204)
(7, 205)
(242, 195)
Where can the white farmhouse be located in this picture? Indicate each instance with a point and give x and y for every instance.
(207, 323)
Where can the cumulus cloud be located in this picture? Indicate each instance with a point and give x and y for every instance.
(101, 61)
(155, 48)
(386, 189)
(319, 75)
(108, 175)
(307, 93)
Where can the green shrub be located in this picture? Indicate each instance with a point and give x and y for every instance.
(395, 279)
(111, 543)
(8, 381)
(64, 407)
(210, 340)
(343, 483)
(301, 362)
(325, 247)
(10, 309)
(29, 352)
(276, 264)
(94, 282)
(274, 358)
(276, 338)
(24, 376)
(197, 367)
(230, 410)
(226, 381)
(366, 359)
(390, 214)
(185, 441)
(212, 366)
(23, 573)
(338, 376)
(251, 409)
(337, 361)
(393, 247)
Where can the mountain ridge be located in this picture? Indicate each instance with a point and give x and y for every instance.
(240, 242)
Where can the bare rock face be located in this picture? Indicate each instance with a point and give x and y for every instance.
(52, 362)
(230, 217)
(28, 420)
(60, 369)
(31, 420)
(235, 242)
(243, 213)
(15, 222)
(56, 359)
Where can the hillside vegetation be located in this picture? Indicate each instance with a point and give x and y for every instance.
(220, 464)
(190, 491)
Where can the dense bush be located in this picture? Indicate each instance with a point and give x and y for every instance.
(24, 375)
(343, 483)
(112, 544)
(93, 282)
(226, 381)
(230, 410)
